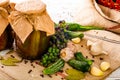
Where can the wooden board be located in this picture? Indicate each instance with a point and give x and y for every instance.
(21, 71)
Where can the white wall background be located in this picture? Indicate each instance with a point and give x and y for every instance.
(60, 9)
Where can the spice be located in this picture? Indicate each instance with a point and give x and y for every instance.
(2, 66)
(86, 57)
(29, 71)
(56, 74)
(12, 56)
(101, 58)
(31, 61)
(32, 65)
(37, 62)
(50, 76)
(67, 68)
(81, 45)
(61, 71)
(25, 61)
(93, 56)
(41, 75)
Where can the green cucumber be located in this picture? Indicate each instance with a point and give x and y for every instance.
(55, 67)
(79, 65)
(79, 56)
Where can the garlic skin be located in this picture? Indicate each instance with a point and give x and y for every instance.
(104, 52)
(71, 46)
(66, 54)
(89, 43)
(96, 47)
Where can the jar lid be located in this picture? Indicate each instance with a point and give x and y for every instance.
(31, 6)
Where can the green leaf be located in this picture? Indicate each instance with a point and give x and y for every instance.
(74, 74)
(13, 59)
(8, 63)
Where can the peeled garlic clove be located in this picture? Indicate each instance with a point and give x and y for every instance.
(104, 66)
(76, 40)
(96, 71)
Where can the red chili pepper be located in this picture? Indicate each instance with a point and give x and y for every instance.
(113, 4)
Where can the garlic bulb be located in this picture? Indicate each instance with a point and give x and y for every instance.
(96, 47)
(66, 54)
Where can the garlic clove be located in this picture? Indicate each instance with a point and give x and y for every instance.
(104, 66)
(76, 40)
(96, 71)
(96, 47)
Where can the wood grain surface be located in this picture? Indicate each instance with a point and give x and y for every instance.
(22, 70)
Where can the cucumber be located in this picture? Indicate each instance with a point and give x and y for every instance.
(79, 65)
(55, 67)
(79, 56)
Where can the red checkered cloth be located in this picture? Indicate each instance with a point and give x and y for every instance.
(113, 4)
